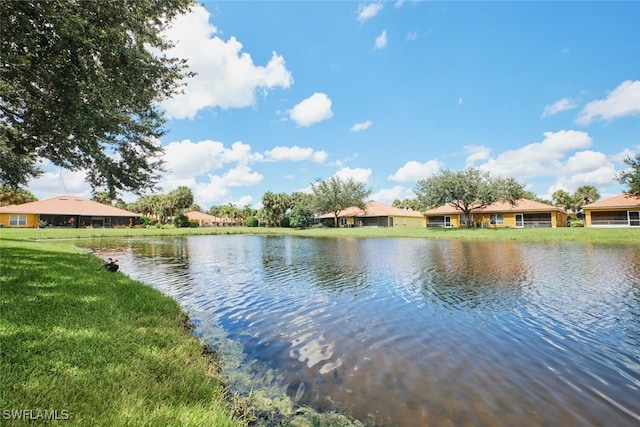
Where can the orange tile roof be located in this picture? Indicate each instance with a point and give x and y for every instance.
(67, 205)
(619, 201)
(521, 205)
(373, 209)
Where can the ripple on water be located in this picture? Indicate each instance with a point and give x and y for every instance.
(414, 332)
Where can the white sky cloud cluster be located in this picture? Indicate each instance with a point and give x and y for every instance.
(366, 12)
(414, 171)
(622, 101)
(312, 110)
(561, 105)
(361, 126)
(226, 76)
(381, 40)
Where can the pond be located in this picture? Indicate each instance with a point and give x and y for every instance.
(415, 332)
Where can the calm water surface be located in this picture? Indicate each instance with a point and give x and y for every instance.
(412, 332)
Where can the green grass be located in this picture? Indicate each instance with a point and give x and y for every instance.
(97, 347)
(593, 235)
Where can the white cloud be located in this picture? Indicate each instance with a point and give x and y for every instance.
(589, 168)
(558, 106)
(312, 110)
(459, 100)
(622, 101)
(366, 12)
(215, 191)
(388, 195)
(357, 174)
(226, 76)
(361, 126)
(476, 152)
(540, 158)
(243, 201)
(60, 181)
(241, 176)
(295, 154)
(413, 171)
(411, 36)
(381, 40)
(186, 158)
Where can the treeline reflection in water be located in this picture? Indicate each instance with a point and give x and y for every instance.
(412, 332)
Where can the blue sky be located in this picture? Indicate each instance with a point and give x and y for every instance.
(391, 92)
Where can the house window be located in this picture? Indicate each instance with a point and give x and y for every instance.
(343, 221)
(463, 219)
(18, 220)
(634, 218)
(496, 219)
(404, 221)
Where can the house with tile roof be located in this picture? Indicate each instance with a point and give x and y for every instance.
(523, 213)
(616, 211)
(206, 220)
(376, 214)
(66, 211)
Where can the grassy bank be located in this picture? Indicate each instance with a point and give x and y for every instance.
(593, 235)
(83, 346)
(80, 344)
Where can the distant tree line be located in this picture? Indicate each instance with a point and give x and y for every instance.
(467, 190)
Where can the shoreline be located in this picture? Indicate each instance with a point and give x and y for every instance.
(102, 348)
(630, 235)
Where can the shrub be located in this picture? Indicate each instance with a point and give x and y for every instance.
(181, 221)
(146, 221)
(577, 223)
(301, 217)
(194, 224)
(252, 221)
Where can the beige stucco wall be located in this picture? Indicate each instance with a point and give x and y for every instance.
(405, 221)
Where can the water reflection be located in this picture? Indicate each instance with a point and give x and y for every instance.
(414, 332)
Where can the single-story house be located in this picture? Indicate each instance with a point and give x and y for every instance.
(206, 220)
(616, 211)
(524, 213)
(376, 214)
(66, 211)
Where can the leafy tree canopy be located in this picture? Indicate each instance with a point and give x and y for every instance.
(631, 176)
(583, 195)
(80, 83)
(406, 204)
(335, 194)
(15, 196)
(468, 190)
(274, 207)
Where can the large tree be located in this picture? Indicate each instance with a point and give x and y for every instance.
(467, 190)
(80, 83)
(274, 207)
(631, 176)
(563, 199)
(336, 194)
(15, 196)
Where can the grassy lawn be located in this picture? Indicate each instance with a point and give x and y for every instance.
(96, 348)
